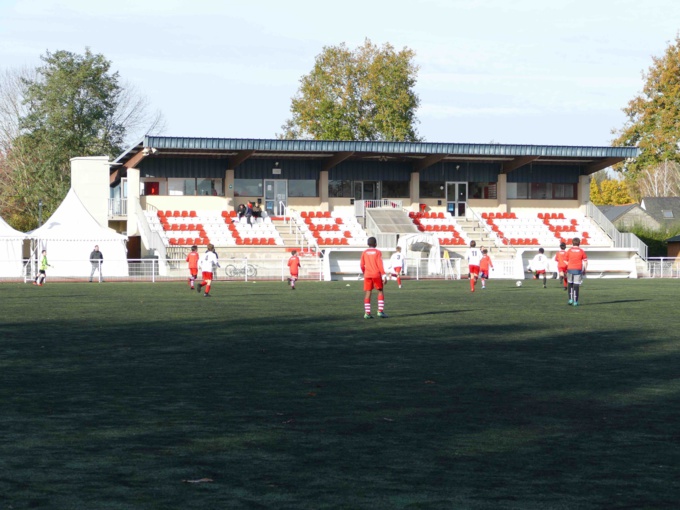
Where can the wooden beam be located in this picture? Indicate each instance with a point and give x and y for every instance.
(240, 157)
(134, 160)
(516, 163)
(114, 177)
(601, 164)
(427, 161)
(338, 158)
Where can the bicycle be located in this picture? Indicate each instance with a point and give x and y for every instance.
(233, 271)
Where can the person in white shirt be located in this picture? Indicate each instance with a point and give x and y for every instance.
(539, 266)
(208, 263)
(397, 265)
(474, 257)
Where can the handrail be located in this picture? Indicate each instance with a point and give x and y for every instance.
(620, 239)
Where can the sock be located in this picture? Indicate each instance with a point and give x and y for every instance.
(381, 305)
(576, 288)
(191, 281)
(472, 283)
(207, 288)
(367, 306)
(399, 280)
(570, 290)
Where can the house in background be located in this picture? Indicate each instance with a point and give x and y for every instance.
(673, 246)
(625, 217)
(652, 213)
(665, 210)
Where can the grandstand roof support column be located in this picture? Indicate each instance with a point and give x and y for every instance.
(229, 187)
(502, 192)
(132, 201)
(414, 190)
(583, 191)
(323, 190)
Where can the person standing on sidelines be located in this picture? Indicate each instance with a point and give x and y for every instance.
(539, 265)
(577, 263)
(373, 270)
(396, 265)
(42, 272)
(192, 259)
(208, 263)
(96, 259)
(485, 266)
(294, 268)
(561, 259)
(474, 257)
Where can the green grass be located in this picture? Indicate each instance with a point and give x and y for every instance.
(112, 395)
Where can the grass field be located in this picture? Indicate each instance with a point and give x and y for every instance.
(119, 396)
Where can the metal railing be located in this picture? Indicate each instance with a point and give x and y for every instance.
(360, 206)
(117, 207)
(620, 239)
(662, 267)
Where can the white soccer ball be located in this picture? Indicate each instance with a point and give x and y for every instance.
(518, 283)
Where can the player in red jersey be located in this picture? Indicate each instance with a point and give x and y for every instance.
(485, 265)
(561, 259)
(577, 263)
(373, 270)
(192, 259)
(473, 256)
(294, 267)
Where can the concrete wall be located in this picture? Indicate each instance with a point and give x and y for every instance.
(90, 181)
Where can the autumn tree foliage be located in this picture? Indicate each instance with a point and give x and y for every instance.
(362, 94)
(653, 116)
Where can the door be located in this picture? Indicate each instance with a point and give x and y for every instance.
(456, 198)
(275, 196)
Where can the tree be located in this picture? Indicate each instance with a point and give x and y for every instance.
(72, 105)
(365, 94)
(662, 180)
(609, 192)
(653, 117)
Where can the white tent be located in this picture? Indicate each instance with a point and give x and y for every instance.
(11, 251)
(69, 236)
(423, 242)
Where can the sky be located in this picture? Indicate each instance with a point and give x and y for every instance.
(491, 71)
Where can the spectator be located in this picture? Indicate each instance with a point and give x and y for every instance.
(96, 259)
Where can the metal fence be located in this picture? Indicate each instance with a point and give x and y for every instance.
(155, 270)
(662, 267)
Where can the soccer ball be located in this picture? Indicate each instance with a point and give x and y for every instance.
(518, 283)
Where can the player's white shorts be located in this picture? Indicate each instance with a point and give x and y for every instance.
(574, 276)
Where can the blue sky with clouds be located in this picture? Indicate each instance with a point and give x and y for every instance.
(521, 71)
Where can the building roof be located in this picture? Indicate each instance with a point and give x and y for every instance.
(674, 239)
(420, 154)
(614, 212)
(662, 209)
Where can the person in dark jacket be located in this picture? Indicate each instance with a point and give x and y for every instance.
(96, 259)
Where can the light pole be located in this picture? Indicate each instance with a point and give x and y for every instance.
(40, 213)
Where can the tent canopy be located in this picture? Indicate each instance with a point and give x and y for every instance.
(70, 234)
(11, 251)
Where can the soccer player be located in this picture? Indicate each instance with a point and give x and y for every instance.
(208, 263)
(192, 259)
(396, 265)
(474, 257)
(539, 265)
(294, 267)
(577, 263)
(42, 274)
(485, 265)
(373, 270)
(561, 259)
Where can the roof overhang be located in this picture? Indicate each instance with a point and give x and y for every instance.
(420, 154)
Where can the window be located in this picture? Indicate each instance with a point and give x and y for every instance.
(667, 214)
(181, 186)
(432, 189)
(302, 188)
(247, 187)
(484, 190)
(541, 191)
(340, 189)
(395, 189)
